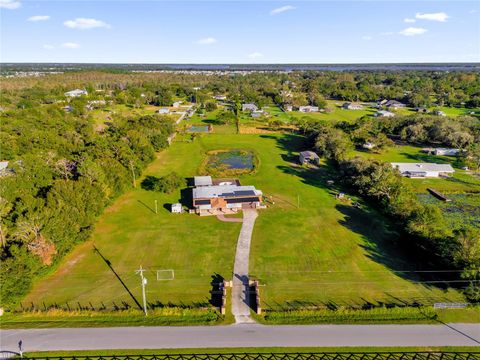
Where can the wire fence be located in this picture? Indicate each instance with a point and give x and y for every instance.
(284, 356)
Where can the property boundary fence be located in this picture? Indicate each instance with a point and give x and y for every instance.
(284, 356)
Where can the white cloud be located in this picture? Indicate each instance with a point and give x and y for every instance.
(10, 4)
(70, 45)
(440, 16)
(255, 55)
(366, 37)
(282, 9)
(48, 47)
(207, 41)
(38, 18)
(85, 24)
(409, 20)
(413, 31)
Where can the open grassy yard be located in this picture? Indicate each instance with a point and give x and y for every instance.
(307, 249)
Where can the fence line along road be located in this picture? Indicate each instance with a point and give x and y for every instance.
(285, 356)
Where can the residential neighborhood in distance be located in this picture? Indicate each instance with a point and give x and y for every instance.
(230, 180)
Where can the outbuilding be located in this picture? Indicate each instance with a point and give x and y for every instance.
(309, 157)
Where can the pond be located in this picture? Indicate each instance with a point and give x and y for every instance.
(231, 160)
(198, 129)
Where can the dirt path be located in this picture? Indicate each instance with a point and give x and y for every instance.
(240, 301)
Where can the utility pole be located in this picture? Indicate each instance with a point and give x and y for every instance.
(156, 207)
(144, 282)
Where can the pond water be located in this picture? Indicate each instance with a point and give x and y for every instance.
(232, 160)
(198, 129)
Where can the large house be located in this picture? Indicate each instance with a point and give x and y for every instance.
(446, 151)
(423, 170)
(76, 93)
(308, 109)
(249, 107)
(352, 106)
(223, 197)
(309, 157)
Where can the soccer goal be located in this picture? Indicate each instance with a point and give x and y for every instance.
(165, 275)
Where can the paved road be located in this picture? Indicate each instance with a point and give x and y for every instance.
(240, 306)
(244, 335)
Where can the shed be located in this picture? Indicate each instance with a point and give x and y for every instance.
(176, 208)
(309, 157)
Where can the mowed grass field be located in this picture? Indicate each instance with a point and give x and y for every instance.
(308, 249)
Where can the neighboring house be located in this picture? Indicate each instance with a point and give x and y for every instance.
(220, 97)
(394, 104)
(249, 107)
(258, 113)
(446, 152)
(288, 108)
(384, 113)
(309, 157)
(218, 199)
(164, 111)
(308, 109)
(352, 106)
(368, 145)
(76, 93)
(423, 170)
(177, 104)
(439, 113)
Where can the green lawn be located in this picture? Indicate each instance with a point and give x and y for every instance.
(308, 248)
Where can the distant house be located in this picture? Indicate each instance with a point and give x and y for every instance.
(177, 104)
(249, 107)
(176, 208)
(76, 93)
(225, 199)
(164, 111)
(394, 104)
(446, 152)
(258, 113)
(368, 145)
(352, 106)
(309, 157)
(4, 170)
(439, 113)
(220, 97)
(384, 113)
(308, 109)
(288, 108)
(423, 170)
(67, 108)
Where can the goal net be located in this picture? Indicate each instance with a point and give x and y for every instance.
(165, 275)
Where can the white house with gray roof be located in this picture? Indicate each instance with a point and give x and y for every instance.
(76, 93)
(423, 170)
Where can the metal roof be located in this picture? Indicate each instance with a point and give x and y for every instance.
(423, 167)
(309, 154)
(202, 180)
(224, 191)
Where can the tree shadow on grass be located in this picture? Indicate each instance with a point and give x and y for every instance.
(384, 246)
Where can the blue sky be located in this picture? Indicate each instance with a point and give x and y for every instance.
(239, 32)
